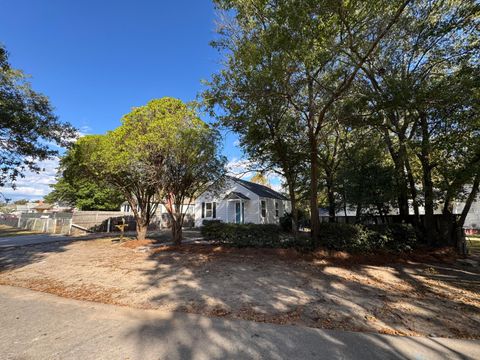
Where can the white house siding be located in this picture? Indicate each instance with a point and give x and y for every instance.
(226, 209)
(472, 221)
(271, 218)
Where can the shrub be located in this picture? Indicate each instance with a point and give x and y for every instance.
(242, 235)
(367, 238)
(286, 220)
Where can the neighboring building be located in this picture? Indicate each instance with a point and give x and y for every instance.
(240, 201)
(472, 221)
(43, 207)
(27, 208)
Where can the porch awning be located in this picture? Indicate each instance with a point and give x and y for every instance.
(234, 195)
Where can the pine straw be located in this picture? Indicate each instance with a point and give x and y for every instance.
(133, 244)
(86, 292)
(322, 256)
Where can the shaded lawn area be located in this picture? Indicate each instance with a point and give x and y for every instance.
(420, 296)
(7, 231)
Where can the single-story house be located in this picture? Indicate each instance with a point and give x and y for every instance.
(240, 201)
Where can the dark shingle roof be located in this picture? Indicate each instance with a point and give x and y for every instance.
(236, 195)
(260, 190)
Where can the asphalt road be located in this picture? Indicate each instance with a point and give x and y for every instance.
(41, 326)
(163, 236)
(21, 240)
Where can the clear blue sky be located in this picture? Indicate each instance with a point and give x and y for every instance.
(98, 59)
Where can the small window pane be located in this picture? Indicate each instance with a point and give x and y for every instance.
(264, 208)
(209, 211)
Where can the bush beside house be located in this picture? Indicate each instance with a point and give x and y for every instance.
(242, 235)
(354, 238)
(368, 238)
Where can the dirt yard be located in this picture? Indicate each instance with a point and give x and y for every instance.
(278, 286)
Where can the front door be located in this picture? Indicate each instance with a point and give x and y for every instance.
(238, 213)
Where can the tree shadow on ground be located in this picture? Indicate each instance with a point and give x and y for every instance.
(19, 256)
(266, 287)
(188, 336)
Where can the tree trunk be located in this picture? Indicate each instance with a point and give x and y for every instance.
(331, 200)
(177, 234)
(429, 220)
(399, 164)
(414, 194)
(314, 217)
(358, 213)
(293, 203)
(141, 230)
(402, 184)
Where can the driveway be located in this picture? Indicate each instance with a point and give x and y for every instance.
(40, 326)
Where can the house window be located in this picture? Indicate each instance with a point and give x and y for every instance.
(264, 208)
(209, 210)
(276, 209)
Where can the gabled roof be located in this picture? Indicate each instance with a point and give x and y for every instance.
(260, 190)
(236, 195)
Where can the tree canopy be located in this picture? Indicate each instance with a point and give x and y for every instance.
(28, 125)
(85, 194)
(162, 153)
(306, 80)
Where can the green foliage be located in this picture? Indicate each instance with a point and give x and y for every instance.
(162, 153)
(175, 149)
(20, 202)
(242, 235)
(27, 125)
(254, 235)
(102, 159)
(366, 177)
(85, 194)
(287, 64)
(286, 220)
(357, 238)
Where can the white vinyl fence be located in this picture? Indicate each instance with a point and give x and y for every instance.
(82, 222)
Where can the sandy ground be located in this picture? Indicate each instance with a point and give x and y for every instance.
(276, 286)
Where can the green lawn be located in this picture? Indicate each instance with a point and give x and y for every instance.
(6, 230)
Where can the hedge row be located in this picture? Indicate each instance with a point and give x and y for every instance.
(342, 237)
(242, 235)
(368, 238)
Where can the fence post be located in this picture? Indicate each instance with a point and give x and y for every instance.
(19, 221)
(108, 225)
